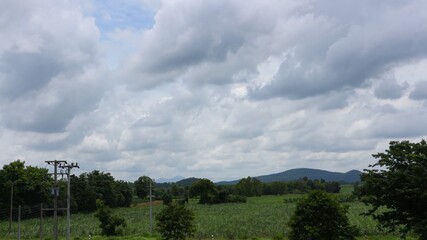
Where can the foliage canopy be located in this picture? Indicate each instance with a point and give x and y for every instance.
(142, 185)
(206, 189)
(399, 185)
(110, 225)
(319, 216)
(175, 222)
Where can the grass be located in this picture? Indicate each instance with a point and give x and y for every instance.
(260, 218)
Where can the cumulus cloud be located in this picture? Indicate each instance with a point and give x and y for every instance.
(333, 56)
(210, 88)
(47, 81)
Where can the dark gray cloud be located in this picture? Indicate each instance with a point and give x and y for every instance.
(24, 72)
(389, 89)
(420, 91)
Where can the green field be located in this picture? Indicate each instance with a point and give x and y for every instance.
(260, 218)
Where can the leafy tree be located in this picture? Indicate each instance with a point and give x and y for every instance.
(110, 225)
(249, 187)
(123, 193)
(399, 185)
(89, 187)
(31, 185)
(206, 189)
(175, 222)
(103, 185)
(320, 216)
(83, 194)
(142, 186)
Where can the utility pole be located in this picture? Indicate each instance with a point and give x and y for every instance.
(55, 191)
(151, 209)
(69, 167)
(11, 207)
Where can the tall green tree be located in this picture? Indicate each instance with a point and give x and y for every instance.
(249, 187)
(205, 189)
(88, 187)
(31, 185)
(142, 186)
(398, 182)
(320, 216)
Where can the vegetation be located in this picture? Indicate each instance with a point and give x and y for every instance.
(142, 186)
(88, 187)
(397, 191)
(205, 189)
(110, 225)
(260, 217)
(30, 186)
(209, 193)
(321, 217)
(175, 222)
(303, 185)
(249, 187)
(264, 217)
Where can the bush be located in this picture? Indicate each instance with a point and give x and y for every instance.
(320, 216)
(110, 225)
(175, 222)
(167, 199)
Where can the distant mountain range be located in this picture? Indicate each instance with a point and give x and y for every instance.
(292, 175)
(169, 180)
(298, 173)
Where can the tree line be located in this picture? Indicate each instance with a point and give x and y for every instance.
(30, 186)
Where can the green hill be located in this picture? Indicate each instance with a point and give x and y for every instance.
(298, 173)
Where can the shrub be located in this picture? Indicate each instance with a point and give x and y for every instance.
(320, 216)
(167, 199)
(175, 222)
(110, 225)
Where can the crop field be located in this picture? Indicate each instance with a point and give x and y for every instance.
(260, 218)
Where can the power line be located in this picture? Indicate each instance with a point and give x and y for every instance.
(69, 167)
(55, 191)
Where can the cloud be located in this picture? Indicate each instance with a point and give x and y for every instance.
(334, 56)
(57, 75)
(389, 89)
(187, 36)
(420, 91)
(211, 89)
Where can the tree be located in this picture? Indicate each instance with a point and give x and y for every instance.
(123, 193)
(31, 185)
(399, 185)
(249, 187)
(206, 189)
(110, 225)
(175, 222)
(142, 186)
(320, 216)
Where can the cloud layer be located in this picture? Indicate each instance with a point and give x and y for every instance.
(217, 89)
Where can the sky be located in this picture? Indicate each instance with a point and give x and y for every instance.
(218, 89)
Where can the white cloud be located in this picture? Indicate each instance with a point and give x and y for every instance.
(217, 89)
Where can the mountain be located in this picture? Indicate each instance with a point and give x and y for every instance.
(298, 173)
(187, 181)
(169, 180)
